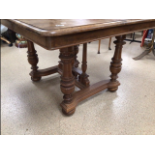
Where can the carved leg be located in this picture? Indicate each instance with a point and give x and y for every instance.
(116, 64)
(67, 83)
(83, 78)
(33, 60)
(75, 62)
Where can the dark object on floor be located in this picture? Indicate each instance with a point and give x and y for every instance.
(5, 38)
(153, 50)
(10, 36)
(133, 39)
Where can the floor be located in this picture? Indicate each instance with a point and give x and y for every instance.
(29, 108)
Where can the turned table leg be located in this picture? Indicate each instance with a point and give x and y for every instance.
(116, 64)
(83, 78)
(75, 60)
(33, 60)
(67, 82)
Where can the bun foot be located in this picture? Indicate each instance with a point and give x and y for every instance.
(113, 89)
(35, 79)
(68, 113)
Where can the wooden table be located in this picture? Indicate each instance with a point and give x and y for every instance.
(66, 35)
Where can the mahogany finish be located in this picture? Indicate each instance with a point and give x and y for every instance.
(83, 78)
(86, 93)
(66, 35)
(116, 64)
(33, 60)
(67, 82)
(75, 62)
(59, 33)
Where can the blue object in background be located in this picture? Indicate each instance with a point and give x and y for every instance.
(149, 33)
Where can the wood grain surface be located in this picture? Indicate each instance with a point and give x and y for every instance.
(59, 33)
(59, 27)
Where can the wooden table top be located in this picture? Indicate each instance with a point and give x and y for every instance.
(58, 27)
(59, 33)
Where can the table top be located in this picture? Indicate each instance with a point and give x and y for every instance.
(48, 33)
(58, 27)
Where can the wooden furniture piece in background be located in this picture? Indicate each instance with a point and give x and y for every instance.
(99, 45)
(149, 49)
(66, 35)
(4, 39)
(109, 47)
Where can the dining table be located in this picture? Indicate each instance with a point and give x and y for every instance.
(66, 35)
